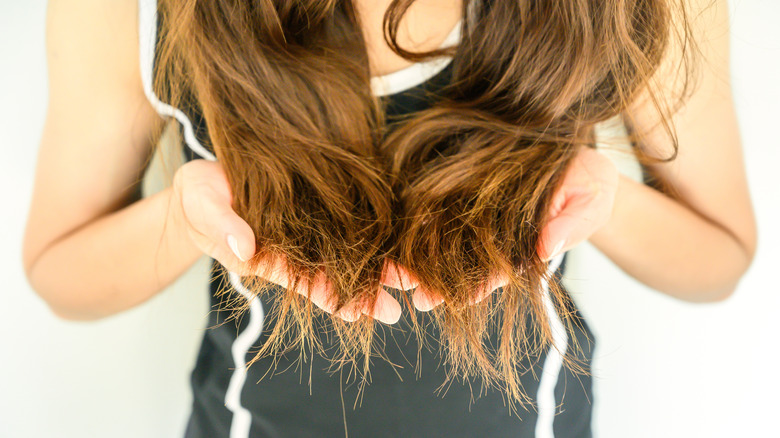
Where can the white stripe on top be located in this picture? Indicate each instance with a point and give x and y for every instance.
(391, 83)
(416, 73)
(545, 397)
(147, 28)
(242, 418)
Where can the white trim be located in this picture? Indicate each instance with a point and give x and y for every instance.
(391, 83)
(147, 34)
(545, 397)
(416, 73)
(242, 418)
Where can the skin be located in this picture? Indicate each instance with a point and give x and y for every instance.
(694, 246)
(415, 32)
(99, 132)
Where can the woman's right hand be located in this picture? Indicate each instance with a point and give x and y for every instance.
(202, 196)
(581, 205)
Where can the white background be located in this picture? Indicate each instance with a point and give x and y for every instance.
(663, 368)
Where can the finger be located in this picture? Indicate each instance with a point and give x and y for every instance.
(239, 238)
(320, 292)
(386, 309)
(210, 173)
(397, 277)
(349, 313)
(424, 300)
(274, 269)
(488, 288)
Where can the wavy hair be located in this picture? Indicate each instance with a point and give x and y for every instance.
(456, 193)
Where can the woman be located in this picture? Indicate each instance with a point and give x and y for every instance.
(99, 123)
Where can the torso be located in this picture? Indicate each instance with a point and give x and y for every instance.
(230, 399)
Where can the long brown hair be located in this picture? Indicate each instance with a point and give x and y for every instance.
(456, 193)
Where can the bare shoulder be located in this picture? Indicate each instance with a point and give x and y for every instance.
(97, 105)
(699, 46)
(94, 67)
(102, 35)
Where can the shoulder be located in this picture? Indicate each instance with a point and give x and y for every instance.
(93, 45)
(97, 112)
(96, 93)
(94, 69)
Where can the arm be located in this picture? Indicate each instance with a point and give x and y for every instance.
(86, 252)
(89, 251)
(696, 245)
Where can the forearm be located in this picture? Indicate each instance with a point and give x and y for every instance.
(669, 247)
(116, 262)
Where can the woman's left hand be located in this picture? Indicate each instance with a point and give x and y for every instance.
(580, 207)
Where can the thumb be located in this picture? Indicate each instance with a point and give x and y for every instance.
(218, 230)
(578, 219)
(554, 238)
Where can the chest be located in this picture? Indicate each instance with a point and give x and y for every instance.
(424, 26)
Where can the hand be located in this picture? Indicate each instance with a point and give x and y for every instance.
(203, 199)
(581, 206)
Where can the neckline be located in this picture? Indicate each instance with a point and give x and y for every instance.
(417, 73)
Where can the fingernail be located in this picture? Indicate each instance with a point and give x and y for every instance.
(349, 315)
(492, 285)
(408, 284)
(423, 301)
(233, 244)
(557, 250)
(388, 318)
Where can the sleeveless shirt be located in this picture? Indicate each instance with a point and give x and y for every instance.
(304, 399)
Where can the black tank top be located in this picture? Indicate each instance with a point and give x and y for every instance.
(305, 400)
